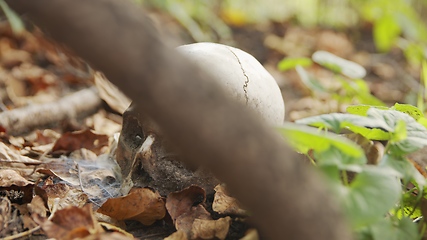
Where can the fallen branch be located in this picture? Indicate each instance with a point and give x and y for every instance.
(287, 199)
(76, 105)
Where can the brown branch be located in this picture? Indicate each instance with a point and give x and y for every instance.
(286, 198)
(76, 105)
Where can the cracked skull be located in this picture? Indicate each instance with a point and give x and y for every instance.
(144, 156)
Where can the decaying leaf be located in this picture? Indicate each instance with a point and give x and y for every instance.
(62, 195)
(178, 235)
(210, 229)
(185, 221)
(108, 92)
(5, 215)
(71, 223)
(178, 203)
(95, 176)
(10, 155)
(103, 123)
(190, 217)
(71, 141)
(9, 177)
(141, 204)
(224, 204)
(37, 206)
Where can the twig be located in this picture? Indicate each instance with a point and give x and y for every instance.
(30, 231)
(78, 104)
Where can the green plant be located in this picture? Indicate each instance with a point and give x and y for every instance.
(352, 88)
(396, 23)
(381, 201)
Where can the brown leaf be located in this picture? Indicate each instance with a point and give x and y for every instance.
(116, 99)
(37, 206)
(71, 141)
(224, 204)
(210, 229)
(9, 177)
(5, 215)
(62, 195)
(178, 235)
(185, 221)
(72, 223)
(178, 203)
(141, 204)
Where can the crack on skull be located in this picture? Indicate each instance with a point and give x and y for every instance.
(245, 85)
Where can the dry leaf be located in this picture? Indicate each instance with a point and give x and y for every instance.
(71, 223)
(62, 195)
(9, 177)
(224, 204)
(102, 124)
(185, 221)
(210, 229)
(141, 204)
(10, 155)
(108, 92)
(37, 206)
(178, 235)
(178, 203)
(72, 141)
(5, 215)
(94, 176)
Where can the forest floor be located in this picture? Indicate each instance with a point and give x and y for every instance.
(59, 121)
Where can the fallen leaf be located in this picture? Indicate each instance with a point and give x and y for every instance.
(210, 229)
(5, 215)
(71, 223)
(72, 141)
(178, 203)
(9, 177)
(101, 123)
(185, 221)
(141, 204)
(37, 206)
(62, 195)
(224, 204)
(108, 92)
(8, 154)
(178, 235)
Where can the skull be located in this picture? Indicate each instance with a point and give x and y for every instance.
(146, 158)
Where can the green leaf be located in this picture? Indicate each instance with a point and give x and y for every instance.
(14, 20)
(400, 133)
(339, 65)
(304, 138)
(377, 125)
(412, 111)
(407, 171)
(368, 127)
(362, 110)
(386, 31)
(394, 229)
(334, 157)
(290, 63)
(373, 192)
(410, 203)
(422, 121)
(308, 81)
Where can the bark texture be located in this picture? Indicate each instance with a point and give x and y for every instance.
(286, 197)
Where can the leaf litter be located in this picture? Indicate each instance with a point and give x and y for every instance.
(58, 178)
